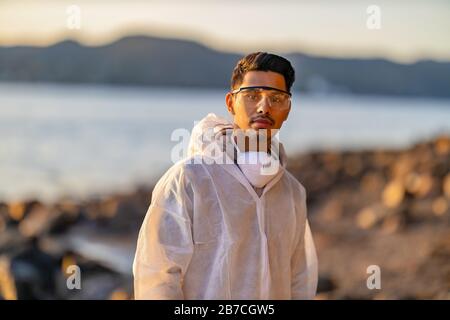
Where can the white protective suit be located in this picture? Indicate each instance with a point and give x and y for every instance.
(208, 235)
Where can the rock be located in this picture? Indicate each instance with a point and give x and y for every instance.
(392, 223)
(353, 165)
(369, 216)
(382, 159)
(36, 221)
(120, 294)
(446, 186)
(440, 206)
(7, 284)
(16, 211)
(393, 194)
(331, 211)
(34, 273)
(332, 162)
(325, 284)
(3, 223)
(442, 145)
(402, 167)
(419, 211)
(11, 240)
(99, 286)
(372, 183)
(419, 185)
(62, 223)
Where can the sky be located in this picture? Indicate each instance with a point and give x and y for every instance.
(409, 30)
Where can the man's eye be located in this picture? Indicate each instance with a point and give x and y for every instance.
(252, 96)
(276, 98)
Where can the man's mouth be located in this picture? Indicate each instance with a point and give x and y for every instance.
(261, 123)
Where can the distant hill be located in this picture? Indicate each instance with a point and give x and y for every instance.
(142, 60)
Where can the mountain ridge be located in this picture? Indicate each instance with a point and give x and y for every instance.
(154, 61)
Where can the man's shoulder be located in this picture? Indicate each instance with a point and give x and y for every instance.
(181, 169)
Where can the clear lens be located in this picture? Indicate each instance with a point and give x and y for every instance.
(276, 99)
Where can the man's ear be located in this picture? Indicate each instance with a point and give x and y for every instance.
(229, 102)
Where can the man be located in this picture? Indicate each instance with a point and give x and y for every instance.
(227, 230)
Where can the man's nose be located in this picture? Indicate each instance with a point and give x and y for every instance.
(263, 105)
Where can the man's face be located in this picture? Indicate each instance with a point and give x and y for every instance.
(262, 115)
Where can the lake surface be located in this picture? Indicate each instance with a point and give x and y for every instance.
(81, 140)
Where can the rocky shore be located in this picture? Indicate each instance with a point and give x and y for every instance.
(389, 208)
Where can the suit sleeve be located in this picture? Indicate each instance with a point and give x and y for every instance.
(304, 265)
(165, 245)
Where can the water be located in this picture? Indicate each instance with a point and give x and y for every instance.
(59, 140)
